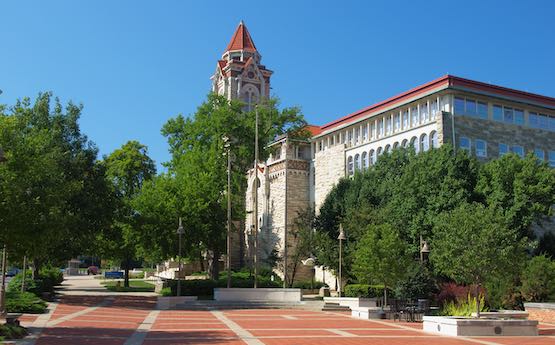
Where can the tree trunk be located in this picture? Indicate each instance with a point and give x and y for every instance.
(36, 268)
(201, 261)
(126, 274)
(478, 300)
(385, 296)
(213, 264)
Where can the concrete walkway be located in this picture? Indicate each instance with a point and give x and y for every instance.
(88, 285)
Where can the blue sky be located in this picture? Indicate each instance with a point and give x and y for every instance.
(134, 64)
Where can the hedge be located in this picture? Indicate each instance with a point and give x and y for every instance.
(24, 302)
(205, 287)
(365, 290)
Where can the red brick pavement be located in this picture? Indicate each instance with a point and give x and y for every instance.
(118, 319)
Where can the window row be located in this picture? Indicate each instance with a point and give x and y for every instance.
(386, 125)
(501, 113)
(481, 150)
(366, 159)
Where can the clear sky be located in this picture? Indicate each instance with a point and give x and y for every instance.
(134, 64)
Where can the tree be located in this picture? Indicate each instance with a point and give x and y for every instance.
(53, 196)
(197, 172)
(127, 169)
(381, 257)
(473, 243)
(538, 279)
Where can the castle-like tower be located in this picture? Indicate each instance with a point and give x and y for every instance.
(239, 73)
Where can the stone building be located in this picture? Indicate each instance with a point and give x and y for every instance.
(486, 120)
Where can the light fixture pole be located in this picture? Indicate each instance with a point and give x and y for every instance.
(424, 249)
(180, 232)
(227, 145)
(24, 273)
(256, 185)
(4, 262)
(285, 228)
(341, 237)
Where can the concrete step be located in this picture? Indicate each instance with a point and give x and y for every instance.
(215, 305)
(330, 306)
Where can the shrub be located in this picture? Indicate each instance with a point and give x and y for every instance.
(26, 302)
(167, 291)
(205, 287)
(463, 307)
(307, 284)
(418, 283)
(12, 332)
(365, 290)
(538, 279)
(48, 278)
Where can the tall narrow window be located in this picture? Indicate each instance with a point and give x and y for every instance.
(364, 160)
(533, 120)
(498, 113)
(365, 132)
(388, 125)
(459, 106)
(508, 115)
(372, 157)
(519, 150)
(482, 110)
(414, 116)
(519, 117)
(424, 143)
(357, 135)
(350, 167)
(357, 162)
(397, 121)
(414, 144)
(481, 148)
(380, 127)
(503, 149)
(464, 144)
(435, 140)
(434, 109)
(471, 107)
(405, 119)
(540, 154)
(424, 113)
(544, 122)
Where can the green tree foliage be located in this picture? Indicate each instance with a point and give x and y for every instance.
(53, 195)
(381, 257)
(196, 175)
(538, 280)
(522, 189)
(473, 243)
(127, 169)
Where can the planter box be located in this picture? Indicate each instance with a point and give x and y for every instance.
(367, 313)
(352, 302)
(259, 294)
(460, 326)
(168, 302)
(504, 314)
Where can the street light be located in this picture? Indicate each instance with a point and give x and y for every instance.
(424, 249)
(341, 237)
(227, 145)
(4, 263)
(180, 232)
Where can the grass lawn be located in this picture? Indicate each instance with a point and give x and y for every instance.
(134, 286)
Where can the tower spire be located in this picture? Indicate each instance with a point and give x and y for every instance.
(241, 39)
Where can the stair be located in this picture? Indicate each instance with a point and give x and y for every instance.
(228, 305)
(330, 306)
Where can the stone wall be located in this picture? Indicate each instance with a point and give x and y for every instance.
(329, 166)
(542, 312)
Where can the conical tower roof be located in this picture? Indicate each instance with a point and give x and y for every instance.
(241, 39)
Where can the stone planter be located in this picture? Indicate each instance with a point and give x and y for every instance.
(464, 327)
(352, 302)
(259, 294)
(367, 313)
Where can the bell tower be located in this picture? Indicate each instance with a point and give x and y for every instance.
(239, 73)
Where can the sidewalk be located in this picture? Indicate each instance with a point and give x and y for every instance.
(89, 286)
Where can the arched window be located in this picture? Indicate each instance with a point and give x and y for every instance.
(396, 145)
(435, 140)
(357, 162)
(372, 156)
(365, 160)
(378, 152)
(350, 167)
(387, 148)
(405, 143)
(414, 144)
(424, 143)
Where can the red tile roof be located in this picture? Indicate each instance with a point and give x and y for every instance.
(241, 39)
(447, 81)
(313, 129)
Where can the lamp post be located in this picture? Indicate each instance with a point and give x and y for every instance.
(227, 145)
(4, 262)
(341, 237)
(424, 249)
(180, 232)
(256, 185)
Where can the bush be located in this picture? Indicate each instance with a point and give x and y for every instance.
(205, 287)
(538, 279)
(307, 284)
(12, 332)
(365, 290)
(418, 283)
(48, 278)
(26, 302)
(166, 291)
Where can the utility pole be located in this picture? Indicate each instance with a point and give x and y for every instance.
(256, 185)
(285, 228)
